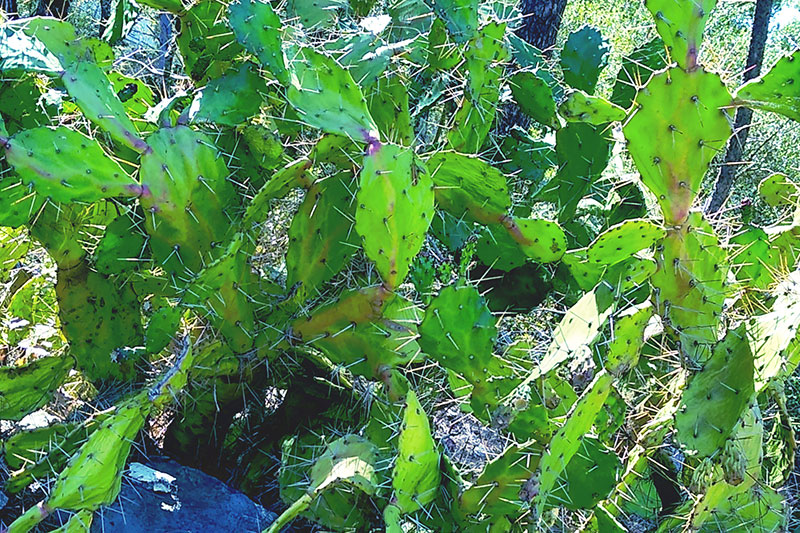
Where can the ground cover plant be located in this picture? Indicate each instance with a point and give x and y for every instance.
(141, 276)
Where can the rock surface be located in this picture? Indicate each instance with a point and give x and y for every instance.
(162, 496)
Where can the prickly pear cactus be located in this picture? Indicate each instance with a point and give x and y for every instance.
(184, 193)
(394, 209)
(66, 166)
(680, 124)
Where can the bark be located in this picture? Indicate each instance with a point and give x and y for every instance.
(105, 14)
(744, 116)
(166, 30)
(540, 23)
(52, 8)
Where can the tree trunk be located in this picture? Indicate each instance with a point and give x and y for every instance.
(105, 14)
(540, 23)
(733, 157)
(166, 30)
(52, 8)
(539, 28)
(9, 7)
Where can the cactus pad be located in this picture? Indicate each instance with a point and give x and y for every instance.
(585, 54)
(416, 473)
(258, 28)
(66, 166)
(534, 96)
(122, 247)
(460, 17)
(775, 91)
(327, 97)
(581, 107)
(484, 56)
(230, 99)
(93, 475)
(394, 209)
(620, 242)
(622, 352)
(502, 487)
(321, 237)
(589, 476)
(717, 395)
(185, 191)
(88, 85)
(86, 297)
(466, 185)
(458, 331)
(677, 129)
(680, 23)
(567, 440)
(28, 387)
(778, 190)
(219, 292)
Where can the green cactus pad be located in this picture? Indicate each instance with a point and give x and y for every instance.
(368, 330)
(122, 247)
(458, 331)
(339, 508)
(468, 186)
(620, 242)
(89, 87)
(230, 99)
(18, 203)
(585, 54)
(460, 17)
(622, 352)
(567, 439)
(680, 23)
(581, 107)
(775, 91)
(348, 462)
(502, 487)
(717, 395)
(636, 71)
(416, 475)
(185, 192)
(589, 476)
(388, 105)
(485, 55)
(162, 326)
(755, 262)
(577, 329)
(773, 336)
(87, 297)
(66, 166)
(677, 129)
(258, 28)
(394, 209)
(690, 283)
(28, 387)
(778, 190)
(206, 43)
(219, 292)
(326, 97)
(321, 237)
(582, 151)
(534, 96)
(93, 475)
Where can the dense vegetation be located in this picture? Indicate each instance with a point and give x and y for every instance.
(282, 267)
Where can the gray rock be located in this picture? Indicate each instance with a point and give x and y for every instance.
(162, 496)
